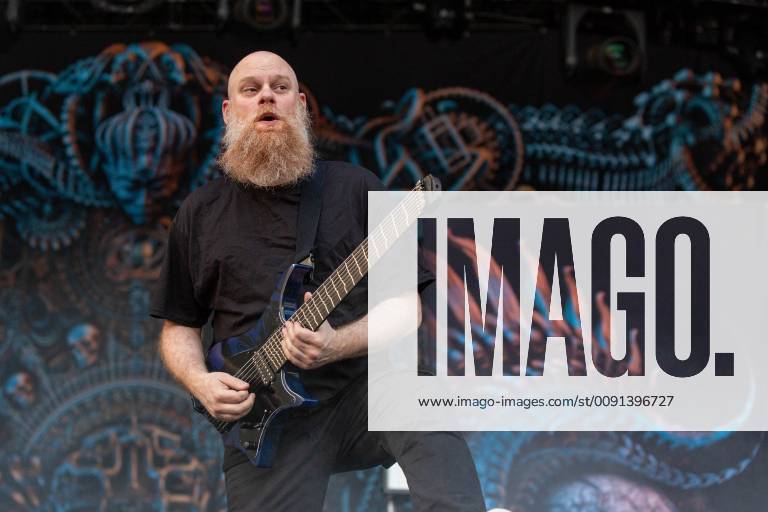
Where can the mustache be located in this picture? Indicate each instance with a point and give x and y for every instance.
(269, 112)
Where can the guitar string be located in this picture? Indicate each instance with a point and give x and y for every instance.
(250, 368)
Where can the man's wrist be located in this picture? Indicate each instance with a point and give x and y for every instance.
(341, 344)
(351, 340)
(195, 383)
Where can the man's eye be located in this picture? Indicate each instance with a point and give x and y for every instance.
(282, 87)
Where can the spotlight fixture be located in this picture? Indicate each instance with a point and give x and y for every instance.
(262, 14)
(126, 6)
(617, 56)
(604, 39)
(12, 13)
(445, 18)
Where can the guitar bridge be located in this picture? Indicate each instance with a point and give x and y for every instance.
(250, 433)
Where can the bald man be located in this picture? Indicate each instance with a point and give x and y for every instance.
(229, 242)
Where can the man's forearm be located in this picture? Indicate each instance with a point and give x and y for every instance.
(181, 350)
(353, 337)
(224, 396)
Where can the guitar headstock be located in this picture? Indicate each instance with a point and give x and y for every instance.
(416, 201)
(430, 183)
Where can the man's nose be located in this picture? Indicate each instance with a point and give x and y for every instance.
(266, 95)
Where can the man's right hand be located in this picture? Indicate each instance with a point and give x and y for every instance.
(224, 396)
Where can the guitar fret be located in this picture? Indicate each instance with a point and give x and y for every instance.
(307, 317)
(357, 264)
(303, 316)
(394, 226)
(405, 212)
(319, 314)
(334, 287)
(265, 368)
(327, 309)
(320, 298)
(309, 310)
(375, 250)
(275, 343)
(264, 374)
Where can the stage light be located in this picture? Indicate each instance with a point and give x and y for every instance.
(222, 11)
(616, 56)
(262, 14)
(121, 15)
(604, 39)
(126, 6)
(445, 18)
(12, 13)
(743, 41)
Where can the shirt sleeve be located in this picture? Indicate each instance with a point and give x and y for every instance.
(174, 295)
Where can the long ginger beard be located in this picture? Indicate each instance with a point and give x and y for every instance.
(268, 158)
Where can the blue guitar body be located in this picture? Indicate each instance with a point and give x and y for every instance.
(257, 434)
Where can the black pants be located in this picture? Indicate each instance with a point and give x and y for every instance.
(334, 438)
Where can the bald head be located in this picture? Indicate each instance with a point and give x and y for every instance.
(262, 81)
(257, 64)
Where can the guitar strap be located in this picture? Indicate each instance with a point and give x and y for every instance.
(310, 201)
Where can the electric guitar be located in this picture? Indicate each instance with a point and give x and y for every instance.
(256, 356)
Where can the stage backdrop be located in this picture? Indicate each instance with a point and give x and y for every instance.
(101, 138)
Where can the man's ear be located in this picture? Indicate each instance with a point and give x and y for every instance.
(303, 98)
(225, 110)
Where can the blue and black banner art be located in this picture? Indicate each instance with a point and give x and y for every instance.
(94, 162)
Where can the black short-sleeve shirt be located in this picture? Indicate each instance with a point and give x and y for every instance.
(229, 243)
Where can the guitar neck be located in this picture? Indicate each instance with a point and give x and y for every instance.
(332, 291)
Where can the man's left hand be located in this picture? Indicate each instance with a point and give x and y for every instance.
(310, 349)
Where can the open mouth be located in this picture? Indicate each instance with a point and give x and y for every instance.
(268, 117)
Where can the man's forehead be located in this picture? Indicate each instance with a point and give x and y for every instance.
(262, 64)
